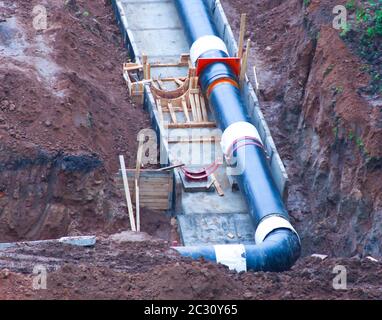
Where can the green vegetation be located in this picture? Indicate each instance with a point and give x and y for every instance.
(335, 131)
(338, 90)
(350, 5)
(351, 135)
(346, 29)
(359, 143)
(363, 33)
(306, 3)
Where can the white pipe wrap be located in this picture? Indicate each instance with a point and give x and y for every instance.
(231, 255)
(205, 44)
(236, 131)
(269, 224)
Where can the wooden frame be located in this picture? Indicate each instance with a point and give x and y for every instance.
(155, 188)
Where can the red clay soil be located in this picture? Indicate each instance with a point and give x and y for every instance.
(65, 117)
(132, 266)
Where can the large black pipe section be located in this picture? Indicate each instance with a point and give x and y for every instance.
(277, 243)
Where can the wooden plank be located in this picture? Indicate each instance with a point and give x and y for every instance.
(243, 23)
(137, 206)
(160, 84)
(137, 173)
(174, 108)
(145, 67)
(184, 58)
(171, 167)
(147, 185)
(244, 63)
(203, 106)
(133, 68)
(178, 82)
(207, 124)
(139, 160)
(172, 112)
(144, 181)
(185, 109)
(194, 140)
(148, 180)
(218, 187)
(157, 189)
(193, 108)
(144, 196)
(198, 108)
(157, 208)
(127, 193)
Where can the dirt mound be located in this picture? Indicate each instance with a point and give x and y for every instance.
(65, 116)
(136, 269)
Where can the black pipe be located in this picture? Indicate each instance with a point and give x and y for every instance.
(277, 253)
(280, 246)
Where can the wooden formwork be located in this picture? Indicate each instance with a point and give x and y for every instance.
(186, 98)
(155, 188)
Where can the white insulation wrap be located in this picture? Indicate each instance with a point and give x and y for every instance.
(235, 131)
(205, 44)
(232, 256)
(269, 224)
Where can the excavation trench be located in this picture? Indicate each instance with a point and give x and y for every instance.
(51, 196)
(65, 117)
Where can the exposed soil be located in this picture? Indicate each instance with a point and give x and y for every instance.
(131, 266)
(327, 129)
(65, 116)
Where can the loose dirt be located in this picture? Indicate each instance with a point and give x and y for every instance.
(327, 129)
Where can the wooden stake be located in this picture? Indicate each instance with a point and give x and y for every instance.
(137, 174)
(127, 193)
(145, 67)
(204, 109)
(137, 206)
(197, 105)
(218, 187)
(172, 113)
(243, 23)
(178, 82)
(161, 84)
(193, 108)
(185, 109)
(244, 63)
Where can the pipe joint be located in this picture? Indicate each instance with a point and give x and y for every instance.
(271, 223)
(235, 132)
(205, 44)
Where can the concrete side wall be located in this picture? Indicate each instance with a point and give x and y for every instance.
(250, 99)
